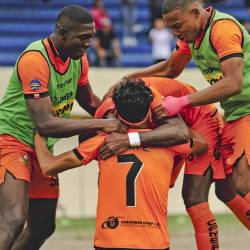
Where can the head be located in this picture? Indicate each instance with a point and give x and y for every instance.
(106, 25)
(98, 4)
(185, 18)
(159, 24)
(73, 32)
(132, 100)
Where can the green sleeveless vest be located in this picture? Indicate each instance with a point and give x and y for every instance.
(14, 116)
(206, 59)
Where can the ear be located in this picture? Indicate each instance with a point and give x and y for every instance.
(196, 12)
(61, 32)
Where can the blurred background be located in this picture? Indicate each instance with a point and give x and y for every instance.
(128, 30)
(130, 34)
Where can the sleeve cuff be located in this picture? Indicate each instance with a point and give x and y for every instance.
(77, 154)
(36, 95)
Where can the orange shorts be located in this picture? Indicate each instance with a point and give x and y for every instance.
(235, 142)
(21, 162)
(210, 127)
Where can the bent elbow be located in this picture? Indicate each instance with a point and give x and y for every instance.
(183, 136)
(42, 130)
(237, 90)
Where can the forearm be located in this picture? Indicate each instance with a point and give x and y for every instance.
(158, 69)
(50, 164)
(170, 68)
(60, 127)
(92, 105)
(165, 135)
(45, 157)
(220, 91)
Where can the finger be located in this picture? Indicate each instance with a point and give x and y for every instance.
(103, 148)
(123, 129)
(157, 109)
(105, 155)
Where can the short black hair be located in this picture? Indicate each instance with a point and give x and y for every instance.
(73, 14)
(171, 5)
(132, 100)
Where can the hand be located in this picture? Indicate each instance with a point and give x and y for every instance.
(200, 145)
(173, 105)
(113, 125)
(159, 114)
(114, 144)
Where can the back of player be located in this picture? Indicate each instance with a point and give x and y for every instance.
(206, 120)
(132, 200)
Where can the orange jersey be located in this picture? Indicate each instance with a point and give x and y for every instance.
(204, 119)
(38, 68)
(132, 197)
(170, 87)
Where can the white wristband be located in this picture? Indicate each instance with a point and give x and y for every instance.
(134, 139)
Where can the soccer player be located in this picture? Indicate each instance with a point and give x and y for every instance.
(47, 77)
(223, 59)
(133, 186)
(200, 171)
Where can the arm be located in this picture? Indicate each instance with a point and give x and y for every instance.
(87, 99)
(170, 68)
(173, 132)
(50, 164)
(230, 85)
(199, 144)
(49, 125)
(228, 46)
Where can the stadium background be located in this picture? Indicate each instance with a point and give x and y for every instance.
(23, 21)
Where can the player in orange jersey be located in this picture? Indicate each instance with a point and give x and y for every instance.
(201, 170)
(133, 186)
(223, 58)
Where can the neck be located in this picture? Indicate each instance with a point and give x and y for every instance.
(205, 18)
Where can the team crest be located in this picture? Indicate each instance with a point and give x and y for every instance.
(35, 85)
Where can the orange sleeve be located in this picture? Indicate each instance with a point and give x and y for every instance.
(158, 98)
(89, 150)
(106, 106)
(85, 71)
(33, 72)
(226, 38)
(182, 47)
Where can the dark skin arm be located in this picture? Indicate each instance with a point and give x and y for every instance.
(173, 132)
(230, 85)
(87, 99)
(170, 68)
(49, 125)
